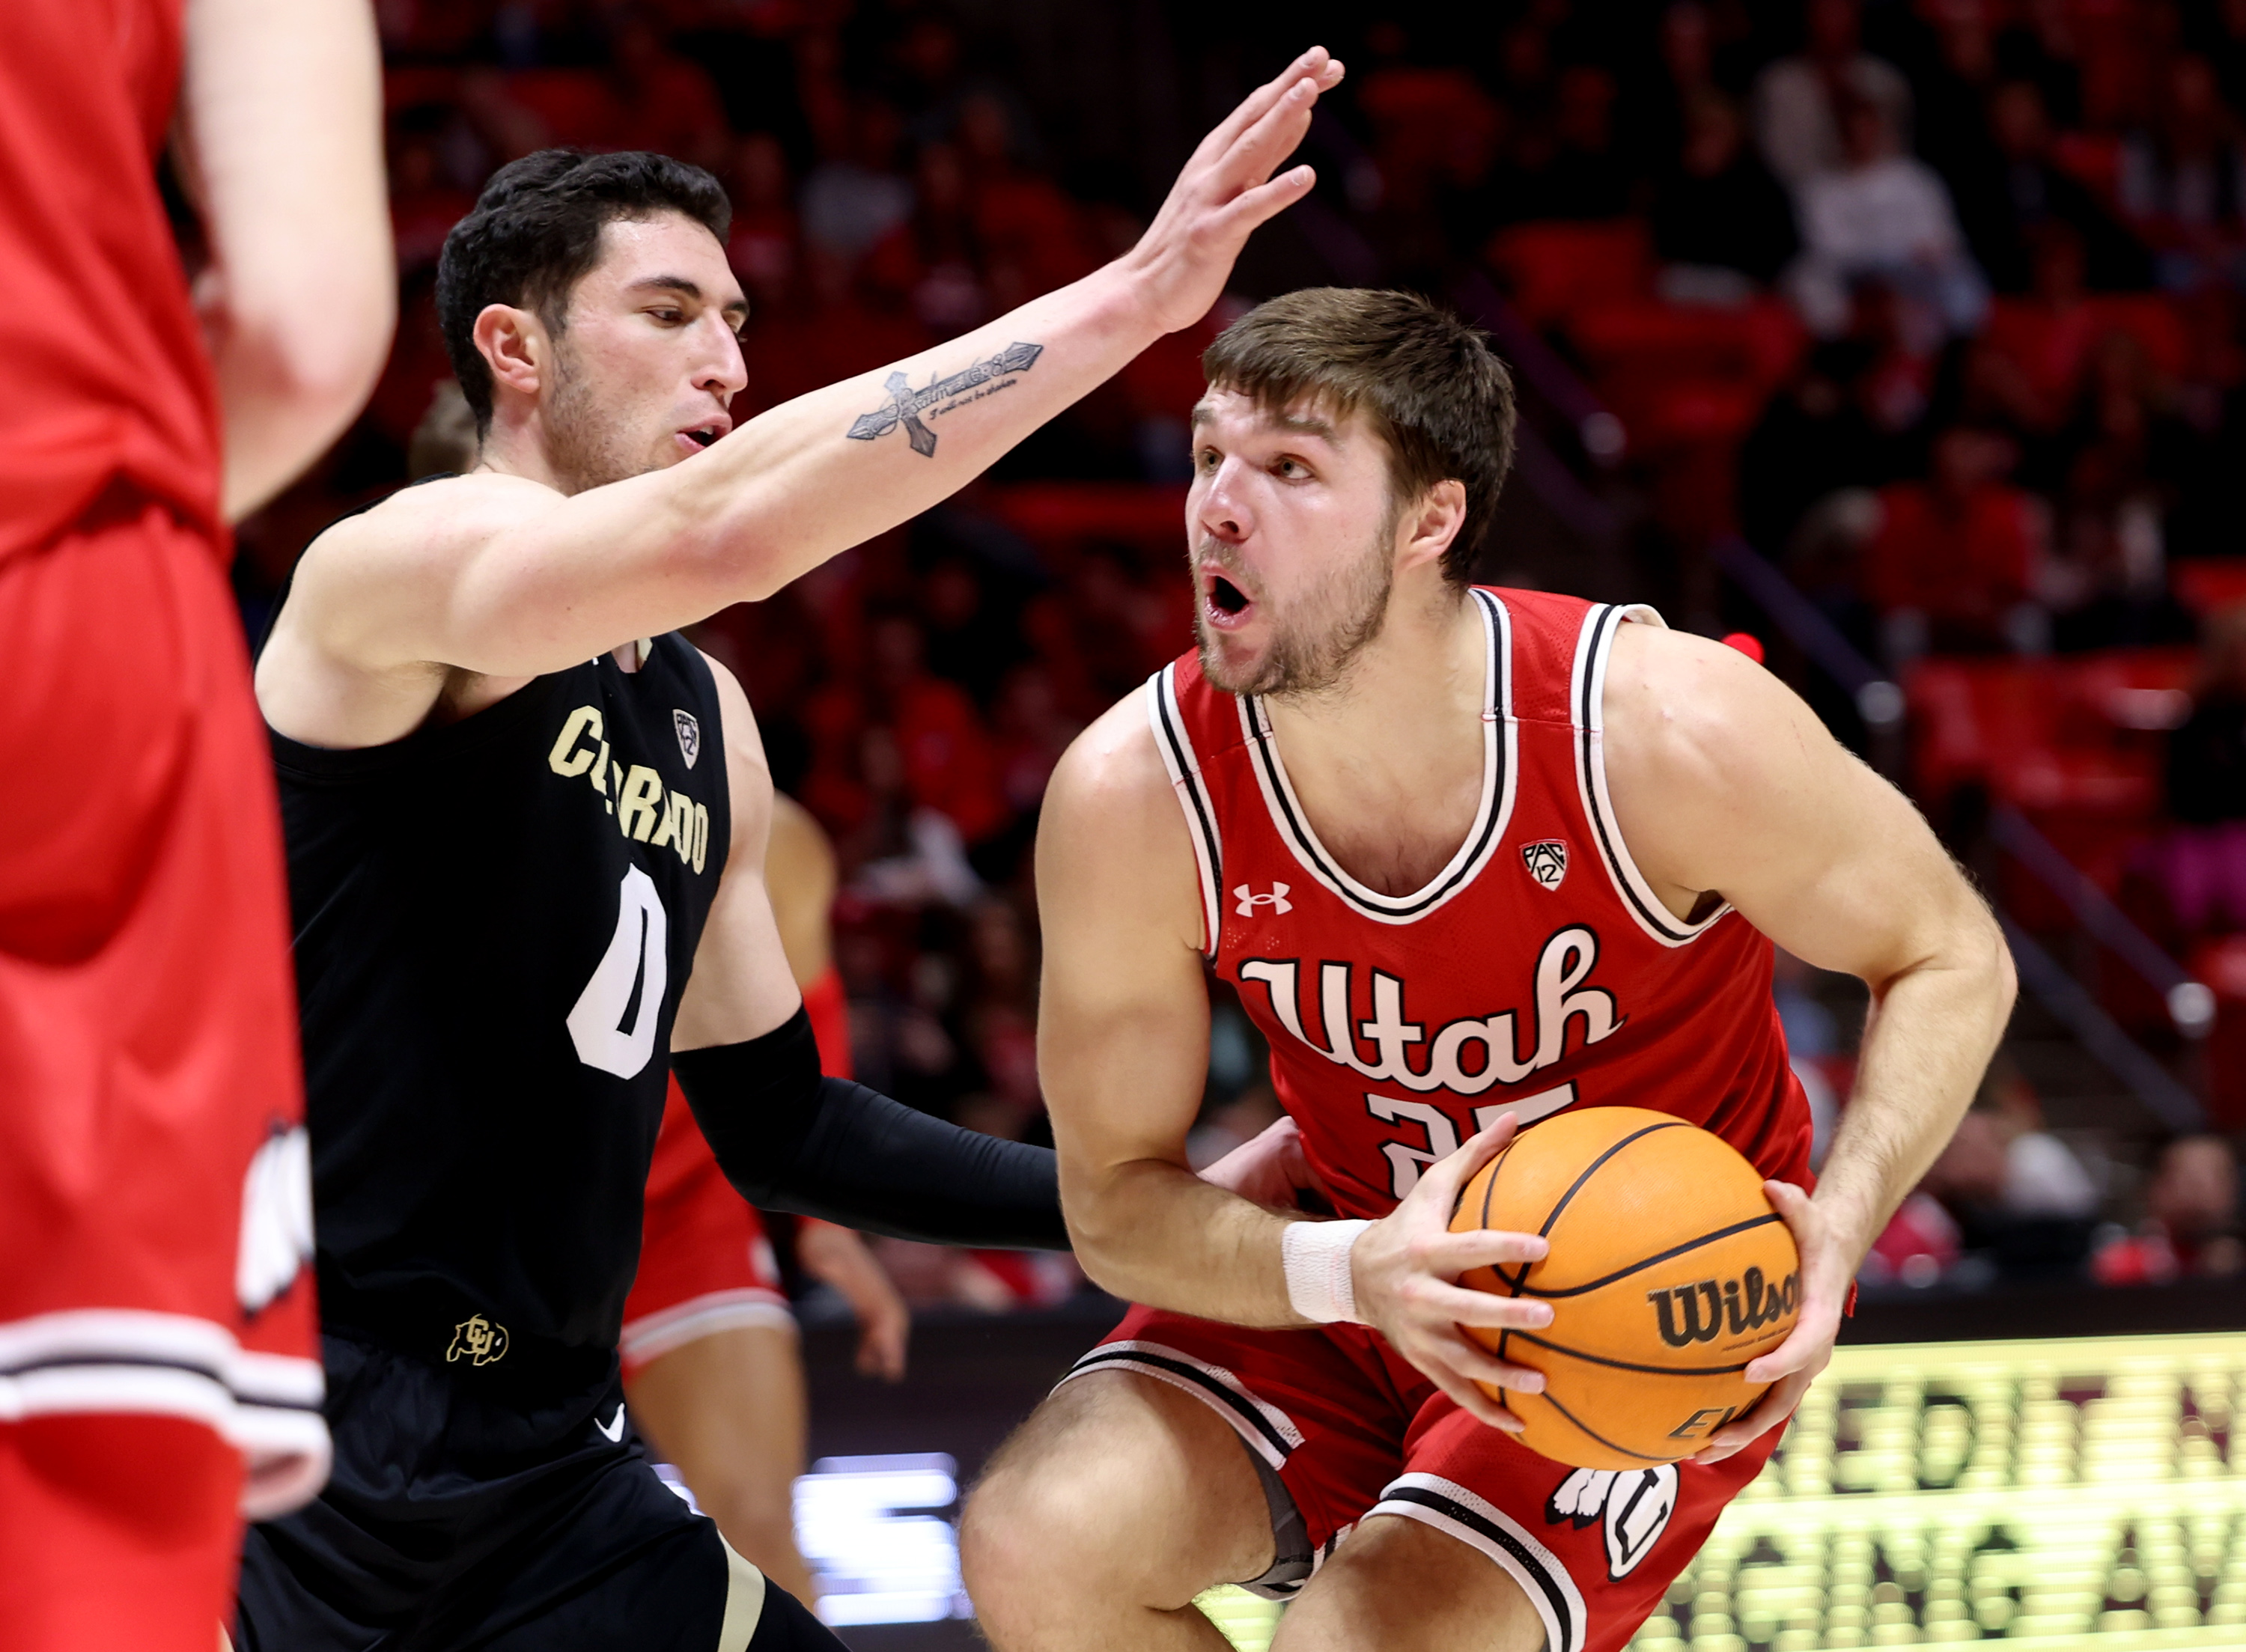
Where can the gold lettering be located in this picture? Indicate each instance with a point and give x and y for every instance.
(601, 770)
(638, 803)
(568, 759)
(701, 834)
(668, 832)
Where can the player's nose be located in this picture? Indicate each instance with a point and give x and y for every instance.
(1221, 509)
(723, 372)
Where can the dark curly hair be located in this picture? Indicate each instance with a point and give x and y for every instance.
(1431, 388)
(536, 231)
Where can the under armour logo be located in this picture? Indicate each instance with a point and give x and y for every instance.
(1276, 900)
(480, 1341)
(1547, 861)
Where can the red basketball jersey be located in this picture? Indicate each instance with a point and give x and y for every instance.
(101, 360)
(1538, 971)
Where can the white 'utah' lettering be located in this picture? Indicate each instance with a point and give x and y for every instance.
(1561, 997)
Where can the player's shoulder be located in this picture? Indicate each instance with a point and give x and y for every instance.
(428, 521)
(1114, 763)
(1682, 709)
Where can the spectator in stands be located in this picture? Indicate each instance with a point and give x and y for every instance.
(671, 105)
(2183, 181)
(945, 749)
(1569, 165)
(1881, 213)
(1722, 226)
(854, 196)
(2202, 861)
(761, 246)
(2190, 1229)
(1954, 563)
(1798, 100)
(2023, 192)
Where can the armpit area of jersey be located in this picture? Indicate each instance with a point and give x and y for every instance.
(794, 1141)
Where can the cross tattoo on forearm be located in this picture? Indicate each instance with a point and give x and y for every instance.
(906, 404)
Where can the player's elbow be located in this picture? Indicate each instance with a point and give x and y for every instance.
(305, 350)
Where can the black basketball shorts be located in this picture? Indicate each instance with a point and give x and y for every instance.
(459, 1520)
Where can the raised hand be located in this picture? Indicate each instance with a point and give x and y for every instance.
(1405, 1268)
(1225, 190)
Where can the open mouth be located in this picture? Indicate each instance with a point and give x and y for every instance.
(704, 436)
(1225, 604)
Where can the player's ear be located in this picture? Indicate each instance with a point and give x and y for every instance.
(513, 342)
(1431, 523)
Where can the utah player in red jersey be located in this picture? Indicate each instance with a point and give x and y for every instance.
(1471, 856)
(159, 1371)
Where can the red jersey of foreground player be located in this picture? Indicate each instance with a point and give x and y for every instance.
(1536, 971)
(100, 353)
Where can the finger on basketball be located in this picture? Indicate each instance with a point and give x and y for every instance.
(1459, 1306)
(1473, 1401)
(1450, 1254)
(1440, 1183)
(1471, 1359)
(1766, 1413)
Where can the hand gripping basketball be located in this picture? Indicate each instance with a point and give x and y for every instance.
(1405, 1268)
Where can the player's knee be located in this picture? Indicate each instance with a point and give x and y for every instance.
(1033, 1519)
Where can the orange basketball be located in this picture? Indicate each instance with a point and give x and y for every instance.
(1668, 1272)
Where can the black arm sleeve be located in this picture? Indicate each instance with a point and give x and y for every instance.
(791, 1139)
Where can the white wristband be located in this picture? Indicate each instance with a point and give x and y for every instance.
(1319, 1285)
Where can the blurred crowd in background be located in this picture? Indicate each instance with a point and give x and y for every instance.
(1937, 303)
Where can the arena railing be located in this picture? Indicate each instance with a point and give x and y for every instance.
(1878, 700)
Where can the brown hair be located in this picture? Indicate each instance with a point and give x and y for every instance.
(1429, 386)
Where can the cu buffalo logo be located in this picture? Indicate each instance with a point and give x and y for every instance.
(478, 1341)
(1703, 1311)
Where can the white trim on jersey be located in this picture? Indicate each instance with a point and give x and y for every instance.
(1500, 773)
(137, 1361)
(1269, 1431)
(655, 1333)
(1586, 695)
(1175, 741)
(1543, 1577)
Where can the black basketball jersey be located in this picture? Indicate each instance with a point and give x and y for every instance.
(495, 920)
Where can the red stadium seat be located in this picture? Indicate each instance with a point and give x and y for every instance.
(1555, 270)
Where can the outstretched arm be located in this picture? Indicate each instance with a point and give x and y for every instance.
(1122, 1049)
(280, 123)
(508, 578)
(1723, 780)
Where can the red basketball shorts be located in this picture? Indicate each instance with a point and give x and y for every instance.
(1351, 1430)
(155, 1203)
(704, 1263)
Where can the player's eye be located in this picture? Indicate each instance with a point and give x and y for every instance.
(1207, 461)
(1292, 469)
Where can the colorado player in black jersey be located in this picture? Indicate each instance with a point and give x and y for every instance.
(525, 855)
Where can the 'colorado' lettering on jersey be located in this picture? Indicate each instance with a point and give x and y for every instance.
(1538, 971)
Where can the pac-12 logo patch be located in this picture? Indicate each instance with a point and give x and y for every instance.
(1635, 1504)
(1249, 900)
(690, 736)
(1547, 861)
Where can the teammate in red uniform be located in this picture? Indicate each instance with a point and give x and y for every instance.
(155, 1331)
(1471, 856)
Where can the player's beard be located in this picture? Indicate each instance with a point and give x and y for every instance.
(583, 446)
(1312, 648)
